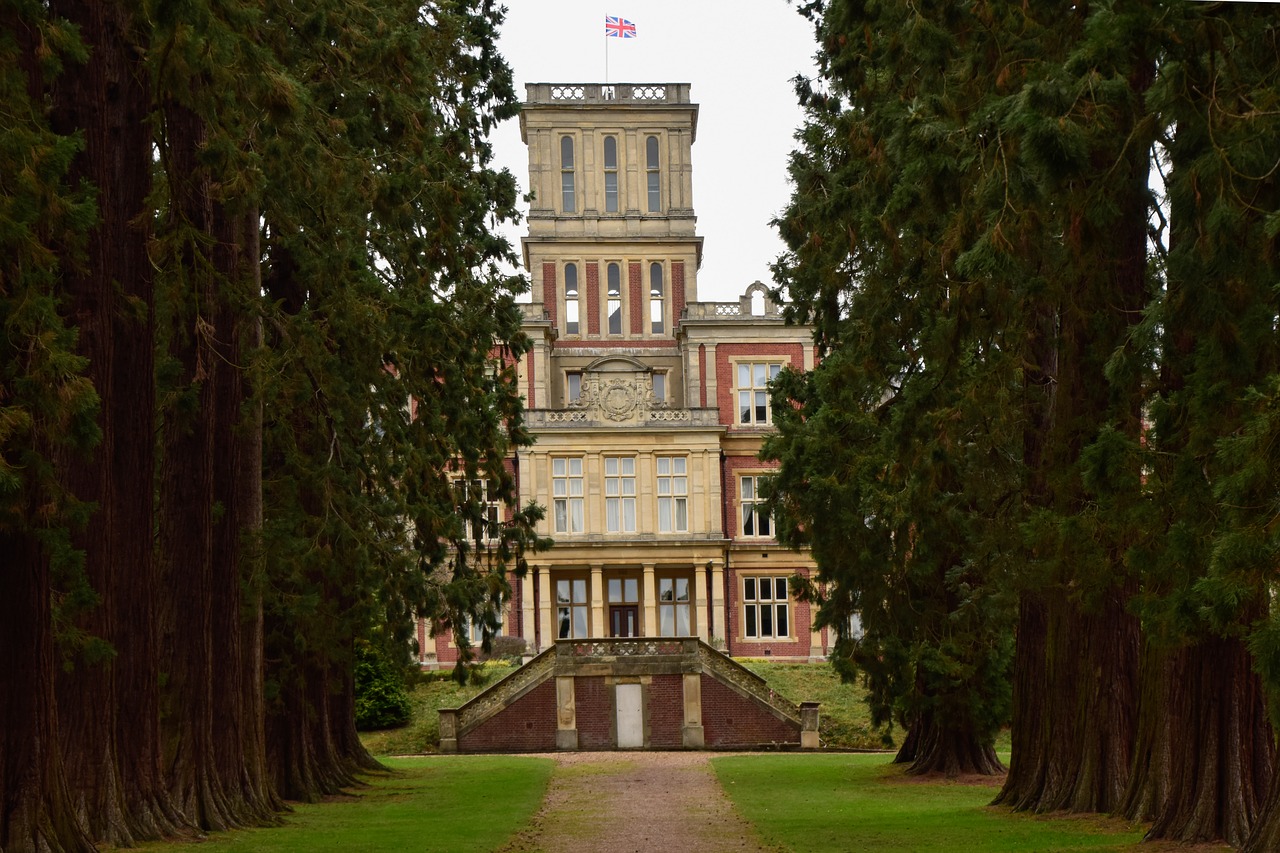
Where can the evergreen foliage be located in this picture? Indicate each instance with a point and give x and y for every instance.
(334, 342)
(1040, 380)
(382, 701)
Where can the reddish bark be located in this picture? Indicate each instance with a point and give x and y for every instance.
(36, 812)
(1208, 766)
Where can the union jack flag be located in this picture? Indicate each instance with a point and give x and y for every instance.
(618, 28)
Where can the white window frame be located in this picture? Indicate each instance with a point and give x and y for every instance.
(568, 507)
(763, 611)
(751, 382)
(653, 172)
(673, 493)
(620, 494)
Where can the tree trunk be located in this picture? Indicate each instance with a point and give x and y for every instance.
(1221, 745)
(943, 748)
(1074, 695)
(188, 494)
(36, 810)
(112, 759)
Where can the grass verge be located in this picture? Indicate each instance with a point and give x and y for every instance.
(458, 803)
(862, 802)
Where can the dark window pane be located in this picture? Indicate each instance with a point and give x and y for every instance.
(566, 152)
(766, 621)
(751, 621)
(749, 589)
(781, 587)
(782, 620)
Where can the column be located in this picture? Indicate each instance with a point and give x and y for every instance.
(598, 627)
(718, 614)
(528, 611)
(649, 591)
(546, 609)
(700, 600)
(692, 731)
(566, 714)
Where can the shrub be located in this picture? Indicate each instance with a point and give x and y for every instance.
(381, 699)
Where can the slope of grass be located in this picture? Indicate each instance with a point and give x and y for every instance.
(844, 721)
(808, 802)
(458, 803)
(436, 691)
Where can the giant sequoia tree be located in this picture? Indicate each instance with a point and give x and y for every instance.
(1010, 347)
(308, 188)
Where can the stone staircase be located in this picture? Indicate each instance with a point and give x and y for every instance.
(648, 693)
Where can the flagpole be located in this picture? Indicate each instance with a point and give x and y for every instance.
(606, 58)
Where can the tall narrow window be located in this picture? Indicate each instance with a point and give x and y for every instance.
(659, 380)
(755, 521)
(673, 494)
(651, 173)
(566, 485)
(611, 174)
(571, 607)
(753, 392)
(566, 174)
(571, 302)
(656, 288)
(673, 607)
(572, 386)
(620, 494)
(615, 299)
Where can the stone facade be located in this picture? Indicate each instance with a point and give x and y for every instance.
(648, 406)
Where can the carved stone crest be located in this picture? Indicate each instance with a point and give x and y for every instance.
(618, 398)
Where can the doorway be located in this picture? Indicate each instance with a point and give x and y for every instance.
(624, 620)
(630, 716)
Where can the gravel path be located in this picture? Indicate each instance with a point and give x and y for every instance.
(625, 802)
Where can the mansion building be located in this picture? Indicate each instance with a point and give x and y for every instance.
(648, 406)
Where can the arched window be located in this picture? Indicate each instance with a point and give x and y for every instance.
(656, 288)
(615, 299)
(566, 174)
(611, 174)
(571, 301)
(651, 171)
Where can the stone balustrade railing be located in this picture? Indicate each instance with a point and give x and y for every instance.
(607, 93)
(701, 418)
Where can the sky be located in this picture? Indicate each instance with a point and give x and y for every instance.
(740, 58)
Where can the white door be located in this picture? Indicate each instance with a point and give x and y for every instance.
(630, 716)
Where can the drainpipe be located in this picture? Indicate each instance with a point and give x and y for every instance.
(724, 529)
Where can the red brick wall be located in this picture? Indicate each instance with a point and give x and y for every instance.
(666, 711)
(677, 293)
(527, 725)
(549, 296)
(729, 719)
(593, 299)
(638, 312)
(593, 704)
(726, 379)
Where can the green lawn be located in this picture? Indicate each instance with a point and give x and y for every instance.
(447, 804)
(862, 802)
